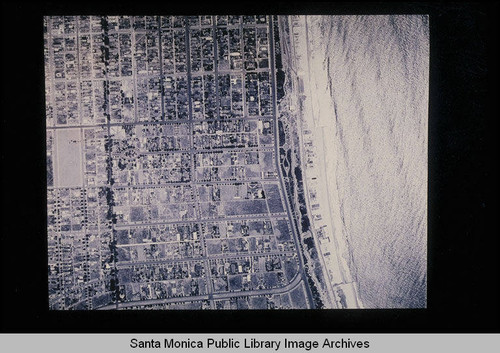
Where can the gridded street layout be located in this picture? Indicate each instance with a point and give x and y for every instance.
(163, 181)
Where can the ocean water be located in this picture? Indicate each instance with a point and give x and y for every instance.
(377, 70)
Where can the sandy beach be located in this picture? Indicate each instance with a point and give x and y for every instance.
(316, 118)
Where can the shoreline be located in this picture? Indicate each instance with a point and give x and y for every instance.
(376, 145)
(316, 120)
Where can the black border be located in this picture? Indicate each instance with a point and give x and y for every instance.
(462, 248)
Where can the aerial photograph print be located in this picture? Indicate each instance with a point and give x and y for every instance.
(236, 162)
